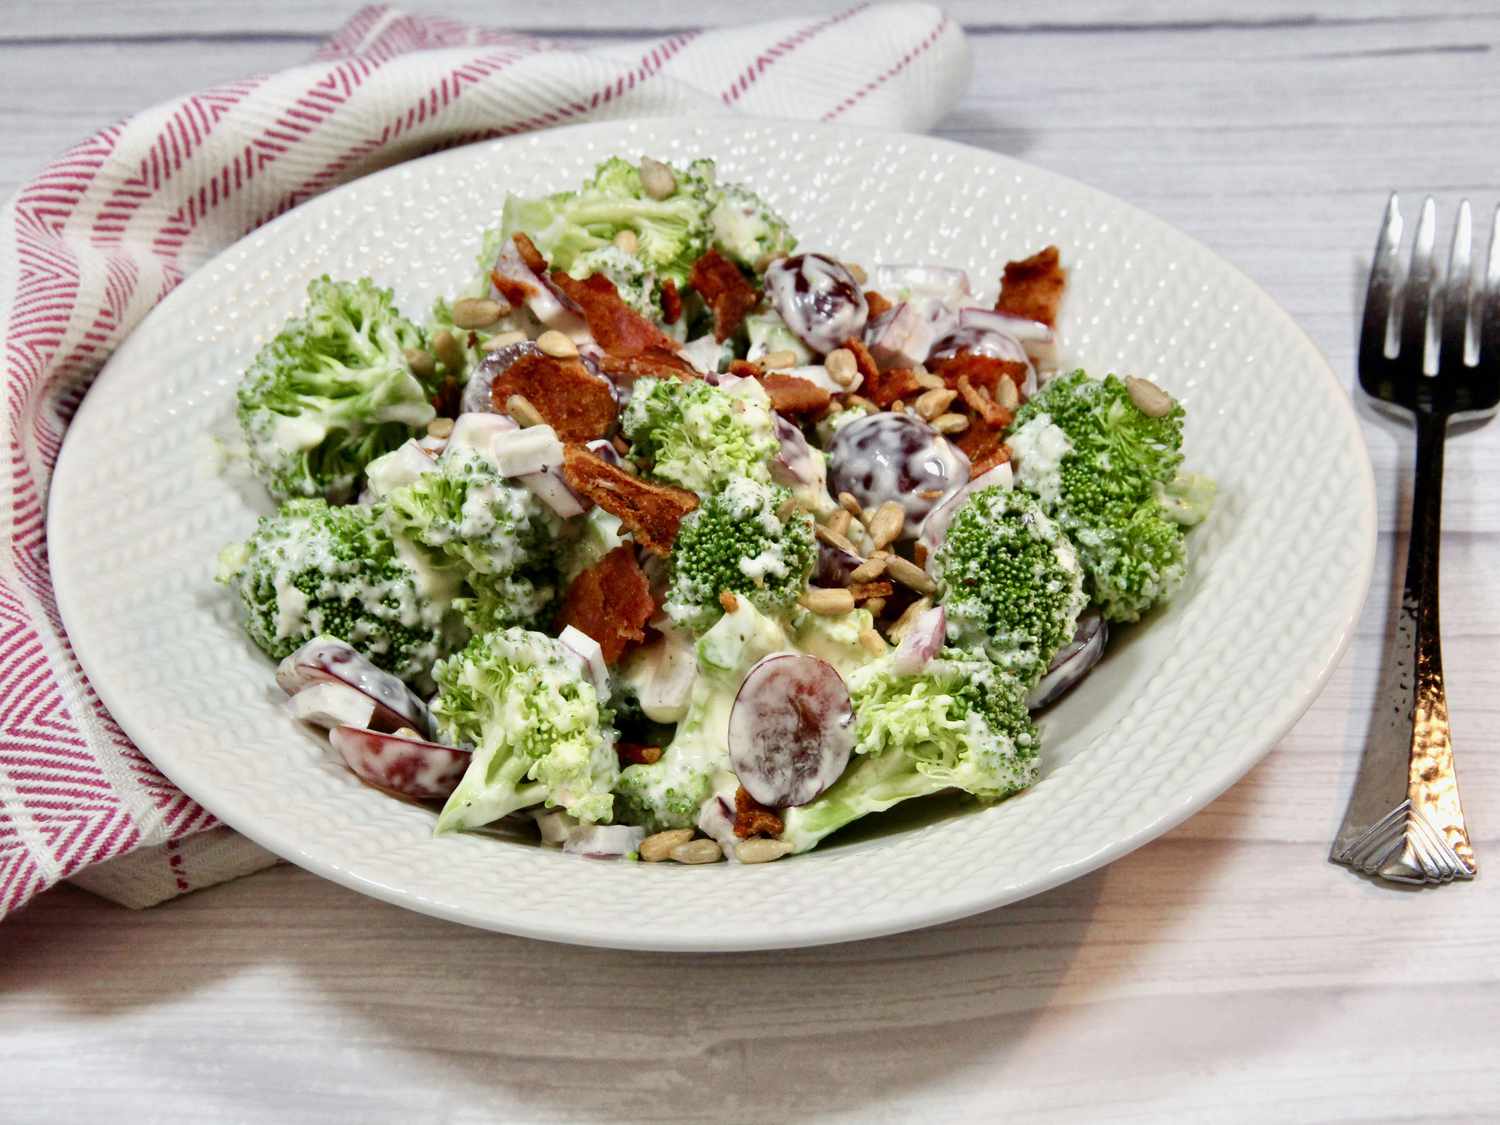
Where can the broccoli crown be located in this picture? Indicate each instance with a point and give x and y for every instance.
(736, 541)
(332, 391)
(526, 598)
(745, 228)
(312, 569)
(1108, 488)
(671, 233)
(700, 436)
(960, 723)
(538, 730)
(1009, 581)
(663, 794)
(632, 277)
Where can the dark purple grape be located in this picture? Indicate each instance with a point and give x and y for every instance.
(1073, 661)
(791, 729)
(895, 457)
(404, 765)
(328, 659)
(980, 341)
(835, 565)
(476, 398)
(818, 299)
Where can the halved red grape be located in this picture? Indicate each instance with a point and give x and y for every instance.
(897, 457)
(1073, 661)
(408, 766)
(477, 397)
(327, 659)
(791, 729)
(818, 299)
(902, 336)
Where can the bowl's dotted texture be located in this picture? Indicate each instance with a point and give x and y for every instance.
(1180, 709)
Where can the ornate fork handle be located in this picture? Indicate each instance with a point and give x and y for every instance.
(1405, 822)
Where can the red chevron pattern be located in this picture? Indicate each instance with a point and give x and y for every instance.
(111, 227)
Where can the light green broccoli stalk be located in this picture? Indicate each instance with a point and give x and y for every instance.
(632, 278)
(1009, 581)
(671, 233)
(1106, 487)
(332, 391)
(539, 731)
(668, 792)
(961, 723)
(736, 541)
(700, 436)
(312, 569)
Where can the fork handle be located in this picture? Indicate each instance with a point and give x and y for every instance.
(1405, 822)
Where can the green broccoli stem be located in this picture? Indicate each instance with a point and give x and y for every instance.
(491, 774)
(869, 785)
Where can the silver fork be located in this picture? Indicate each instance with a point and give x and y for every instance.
(1405, 822)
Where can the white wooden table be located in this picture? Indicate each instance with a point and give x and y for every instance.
(1227, 971)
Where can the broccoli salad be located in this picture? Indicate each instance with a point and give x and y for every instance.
(666, 540)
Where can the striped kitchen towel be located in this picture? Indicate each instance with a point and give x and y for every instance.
(110, 227)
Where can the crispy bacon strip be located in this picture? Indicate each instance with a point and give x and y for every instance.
(651, 512)
(1033, 287)
(751, 818)
(617, 327)
(574, 402)
(984, 445)
(671, 302)
(981, 370)
(980, 402)
(888, 386)
(513, 289)
(529, 253)
(611, 602)
(877, 302)
(745, 369)
(725, 291)
(791, 394)
(655, 362)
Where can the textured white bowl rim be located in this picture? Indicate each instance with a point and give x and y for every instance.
(590, 924)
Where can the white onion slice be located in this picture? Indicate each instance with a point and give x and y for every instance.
(922, 641)
(941, 282)
(517, 453)
(330, 704)
(604, 841)
(398, 468)
(587, 650)
(552, 490)
(899, 337)
(554, 825)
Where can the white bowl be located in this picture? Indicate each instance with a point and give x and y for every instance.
(1182, 706)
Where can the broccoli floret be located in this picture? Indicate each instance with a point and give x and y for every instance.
(632, 278)
(700, 436)
(671, 233)
(735, 541)
(961, 723)
(538, 729)
(312, 569)
(332, 392)
(668, 792)
(768, 333)
(1187, 498)
(745, 228)
(1010, 581)
(1106, 490)
(526, 598)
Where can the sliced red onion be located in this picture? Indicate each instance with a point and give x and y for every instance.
(795, 463)
(818, 299)
(409, 766)
(604, 841)
(327, 659)
(588, 651)
(554, 825)
(332, 704)
(477, 398)
(478, 432)
(546, 303)
(791, 729)
(673, 662)
(1073, 661)
(518, 453)
(552, 490)
(605, 450)
(398, 468)
(716, 814)
(899, 337)
(703, 353)
(922, 640)
(951, 286)
(935, 526)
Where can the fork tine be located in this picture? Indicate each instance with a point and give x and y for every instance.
(1372, 335)
(1455, 299)
(1489, 308)
(1418, 289)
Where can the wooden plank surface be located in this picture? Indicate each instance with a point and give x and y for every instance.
(1226, 972)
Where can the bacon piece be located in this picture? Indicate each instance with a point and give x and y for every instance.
(981, 370)
(725, 291)
(617, 327)
(744, 369)
(1033, 287)
(878, 304)
(513, 289)
(634, 754)
(529, 253)
(611, 602)
(791, 394)
(751, 818)
(984, 445)
(980, 402)
(651, 512)
(864, 362)
(658, 363)
(888, 386)
(577, 404)
(671, 302)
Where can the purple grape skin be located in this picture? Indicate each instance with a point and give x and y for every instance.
(1073, 661)
(823, 316)
(895, 457)
(791, 729)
